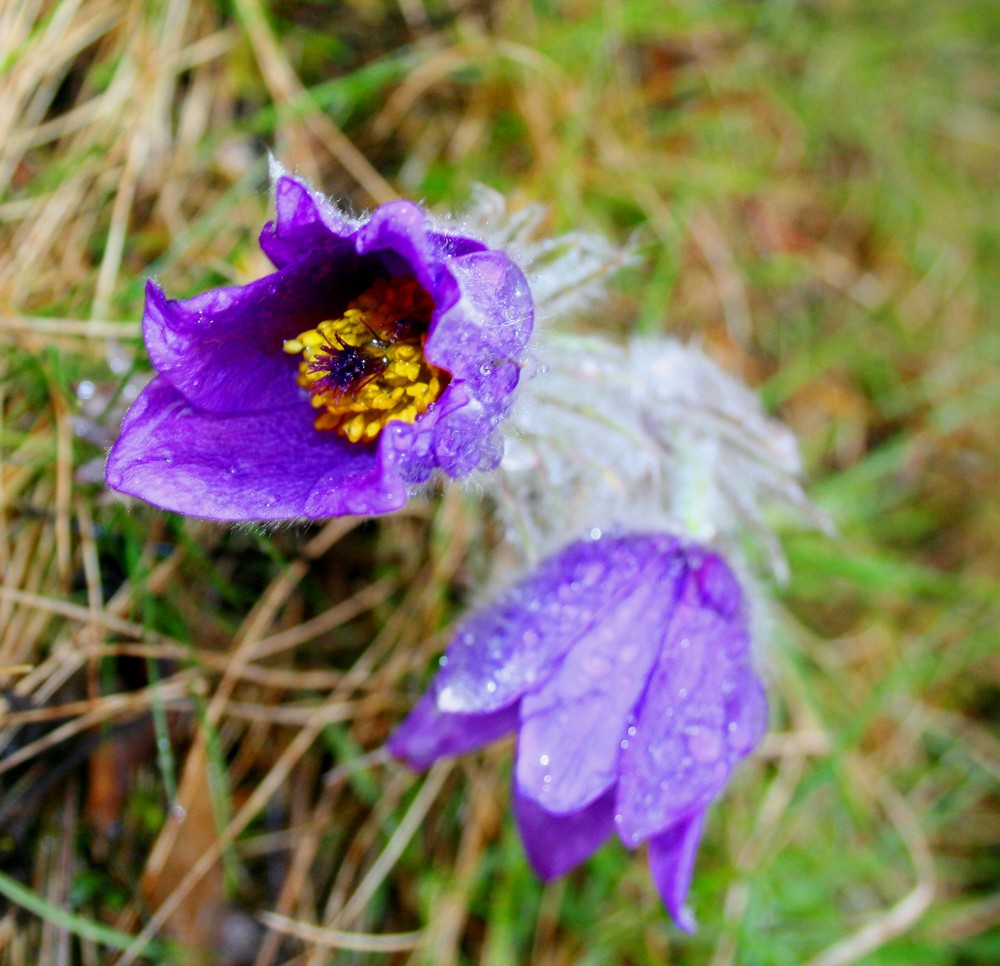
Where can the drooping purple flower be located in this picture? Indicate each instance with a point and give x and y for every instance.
(380, 351)
(623, 664)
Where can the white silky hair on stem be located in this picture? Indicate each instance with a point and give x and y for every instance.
(651, 435)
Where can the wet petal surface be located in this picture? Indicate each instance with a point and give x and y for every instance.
(575, 726)
(672, 856)
(512, 646)
(700, 714)
(305, 223)
(427, 734)
(222, 349)
(262, 466)
(555, 844)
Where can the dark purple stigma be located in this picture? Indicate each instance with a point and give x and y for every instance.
(345, 370)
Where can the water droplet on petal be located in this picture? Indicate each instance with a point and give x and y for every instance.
(705, 745)
(450, 700)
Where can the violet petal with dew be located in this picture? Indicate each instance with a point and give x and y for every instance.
(623, 664)
(380, 352)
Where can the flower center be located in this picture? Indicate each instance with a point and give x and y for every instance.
(367, 367)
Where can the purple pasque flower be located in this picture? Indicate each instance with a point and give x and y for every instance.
(380, 351)
(623, 664)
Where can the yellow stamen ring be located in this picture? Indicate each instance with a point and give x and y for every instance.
(367, 367)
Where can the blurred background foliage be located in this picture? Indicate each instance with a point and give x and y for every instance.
(187, 708)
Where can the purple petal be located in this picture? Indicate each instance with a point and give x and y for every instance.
(492, 322)
(454, 246)
(515, 643)
(427, 734)
(214, 446)
(223, 349)
(671, 864)
(262, 466)
(555, 844)
(469, 437)
(575, 725)
(479, 341)
(305, 224)
(703, 709)
(745, 711)
(397, 233)
(716, 584)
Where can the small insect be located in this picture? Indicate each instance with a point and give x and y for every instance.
(406, 330)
